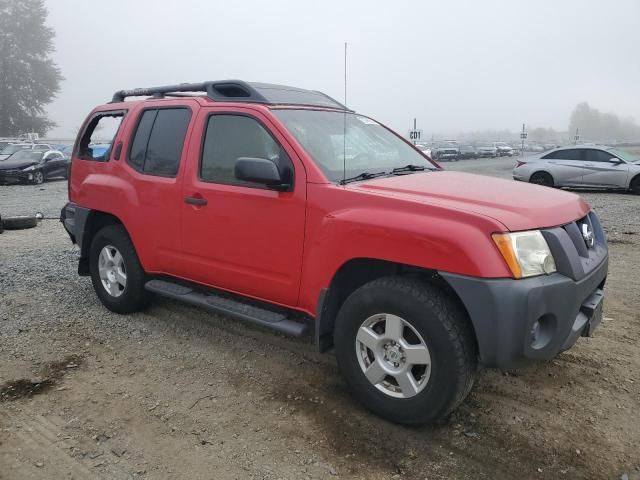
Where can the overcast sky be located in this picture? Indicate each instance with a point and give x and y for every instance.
(455, 65)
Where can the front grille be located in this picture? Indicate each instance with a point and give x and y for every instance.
(574, 256)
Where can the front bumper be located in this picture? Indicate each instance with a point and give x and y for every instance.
(15, 176)
(518, 321)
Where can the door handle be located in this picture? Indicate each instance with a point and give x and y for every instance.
(588, 164)
(198, 201)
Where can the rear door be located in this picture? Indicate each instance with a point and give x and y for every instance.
(241, 236)
(601, 172)
(566, 166)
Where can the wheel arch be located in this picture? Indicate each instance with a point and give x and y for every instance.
(355, 273)
(94, 222)
(634, 179)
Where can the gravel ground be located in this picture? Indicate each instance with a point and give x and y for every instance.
(176, 392)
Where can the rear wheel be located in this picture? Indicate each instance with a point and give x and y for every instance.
(116, 273)
(405, 350)
(542, 178)
(635, 185)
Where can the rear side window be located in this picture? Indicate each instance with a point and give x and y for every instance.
(158, 141)
(229, 137)
(97, 137)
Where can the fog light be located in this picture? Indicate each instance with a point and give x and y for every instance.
(542, 331)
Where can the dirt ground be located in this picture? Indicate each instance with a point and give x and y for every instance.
(176, 392)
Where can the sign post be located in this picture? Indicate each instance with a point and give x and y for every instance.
(415, 135)
(523, 136)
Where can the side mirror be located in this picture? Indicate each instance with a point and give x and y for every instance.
(615, 160)
(260, 170)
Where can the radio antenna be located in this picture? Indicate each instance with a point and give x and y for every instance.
(344, 132)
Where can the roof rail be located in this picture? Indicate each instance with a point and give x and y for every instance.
(238, 91)
(218, 90)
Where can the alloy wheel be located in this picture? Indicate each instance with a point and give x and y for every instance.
(393, 356)
(112, 271)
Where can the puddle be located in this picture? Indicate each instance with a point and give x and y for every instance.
(51, 374)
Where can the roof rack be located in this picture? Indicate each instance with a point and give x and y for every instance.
(238, 91)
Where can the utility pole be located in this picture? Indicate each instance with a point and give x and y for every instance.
(414, 128)
(523, 135)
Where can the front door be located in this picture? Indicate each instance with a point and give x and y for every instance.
(236, 235)
(600, 171)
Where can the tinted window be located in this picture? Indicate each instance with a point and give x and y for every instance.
(157, 145)
(598, 156)
(571, 154)
(139, 145)
(229, 137)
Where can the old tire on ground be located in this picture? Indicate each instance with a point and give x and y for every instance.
(635, 185)
(19, 223)
(116, 273)
(542, 178)
(398, 379)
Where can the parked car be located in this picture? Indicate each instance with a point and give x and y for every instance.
(467, 151)
(33, 166)
(445, 152)
(486, 150)
(596, 166)
(12, 148)
(503, 149)
(66, 150)
(240, 201)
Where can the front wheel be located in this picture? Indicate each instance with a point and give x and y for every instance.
(635, 185)
(38, 177)
(405, 349)
(116, 273)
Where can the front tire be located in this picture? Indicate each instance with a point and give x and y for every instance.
(116, 273)
(406, 350)
(635, 185)
(38, 177)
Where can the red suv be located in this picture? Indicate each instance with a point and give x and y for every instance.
(281, 207)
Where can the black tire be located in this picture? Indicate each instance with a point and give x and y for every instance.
(38, 177)
(542, 178)
(443, 325)
(133, 297)
(635, 185)
(19, 223)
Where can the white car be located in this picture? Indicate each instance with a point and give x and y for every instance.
(595, 166)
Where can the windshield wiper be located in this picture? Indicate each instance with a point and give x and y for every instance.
(362, 176)
(409, 168)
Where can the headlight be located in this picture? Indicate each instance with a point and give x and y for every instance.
(29, 169)
(526, 253)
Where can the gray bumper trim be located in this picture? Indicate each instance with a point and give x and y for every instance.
(504, 311)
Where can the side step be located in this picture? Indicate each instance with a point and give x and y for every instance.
(227, 306)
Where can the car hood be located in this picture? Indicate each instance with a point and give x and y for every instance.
(14, 164)
(518, 206)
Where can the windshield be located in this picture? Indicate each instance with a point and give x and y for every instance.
(11, 149)
(368, 146)
(27, 155)
(626, 156)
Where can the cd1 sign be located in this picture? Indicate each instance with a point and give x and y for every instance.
(415, 135)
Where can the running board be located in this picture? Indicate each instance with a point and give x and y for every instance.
(226, 306)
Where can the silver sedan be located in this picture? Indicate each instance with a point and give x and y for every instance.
(596, 166)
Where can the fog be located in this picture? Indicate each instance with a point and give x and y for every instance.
(456, 66)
